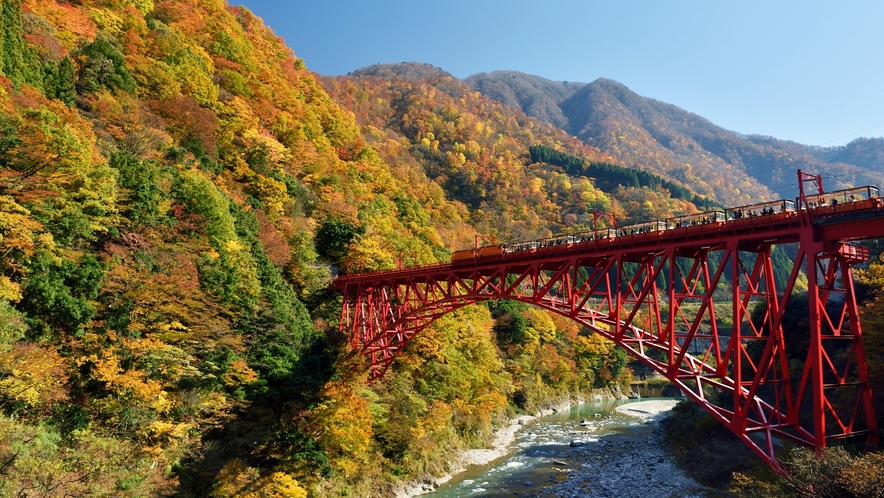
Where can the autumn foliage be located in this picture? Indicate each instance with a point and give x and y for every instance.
(177, 191)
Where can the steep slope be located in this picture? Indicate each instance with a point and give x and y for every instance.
(478, 151)
(535, 96)
(174, 186)
(176, 189)
(681, 146)
(647, 134)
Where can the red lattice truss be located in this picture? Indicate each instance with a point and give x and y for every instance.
(657, 295)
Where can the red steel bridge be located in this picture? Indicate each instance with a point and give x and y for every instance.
(680, 298)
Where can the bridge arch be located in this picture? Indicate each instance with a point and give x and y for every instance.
(657, 292)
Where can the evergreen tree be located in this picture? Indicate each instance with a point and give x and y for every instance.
(13, 60)
(18, 61)
(103, 67)
(62, 83)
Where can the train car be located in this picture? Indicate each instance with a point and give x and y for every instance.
(605, 233)
(761, 209)
(530, 246)
(691, 220)
(552, 242)
(841, 201)
(484, 252)
(600, 234)
(463, 255)
(641, 228)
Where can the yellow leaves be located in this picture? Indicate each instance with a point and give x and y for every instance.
(150, 365)
(370, 254)
(143, 6)
(32, 375)
(273, 196)
(9, 290)
(197, 84)
(540, 324)
(536, 185)
(163, 432)
(106, 20)
(232, 246)
(594, 344)
(237, 480)
(19, 239)
(872, 277)
(172, 332)
(263, 142)
(342, 425)
(56, 167)
(125, 382)
(455, 159)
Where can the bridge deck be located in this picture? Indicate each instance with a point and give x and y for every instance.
(851, 223)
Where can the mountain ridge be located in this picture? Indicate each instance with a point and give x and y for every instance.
(675, 135)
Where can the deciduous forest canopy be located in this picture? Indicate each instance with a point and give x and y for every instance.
(177, 189)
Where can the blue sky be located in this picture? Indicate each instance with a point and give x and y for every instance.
(807, 71)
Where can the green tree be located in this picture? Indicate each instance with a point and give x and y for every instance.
(62, 83)
(13, 58)
(102, 66)
(334, 237)
(59, 294)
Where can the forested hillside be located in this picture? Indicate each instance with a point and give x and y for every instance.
(176, 190)
(660, 138)
(478, 151)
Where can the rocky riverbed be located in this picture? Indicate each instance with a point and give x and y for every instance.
(629, 464)
(605, 455)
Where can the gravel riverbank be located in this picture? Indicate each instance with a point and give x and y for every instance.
(632, 464)
(629, 463)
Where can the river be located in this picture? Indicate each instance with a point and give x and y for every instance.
(617, 450)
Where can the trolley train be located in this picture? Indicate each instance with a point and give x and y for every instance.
(840, 201)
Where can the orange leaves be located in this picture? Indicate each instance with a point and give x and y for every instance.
(72, 23)
(239, 374)
(186, 120)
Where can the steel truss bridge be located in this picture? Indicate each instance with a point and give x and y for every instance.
(667, 297)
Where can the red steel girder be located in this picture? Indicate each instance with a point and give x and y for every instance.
(659, 296)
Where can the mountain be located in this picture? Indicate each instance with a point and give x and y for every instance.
(478, 151)
(647, 134)
(535, 96)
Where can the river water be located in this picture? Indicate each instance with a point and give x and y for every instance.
(540, 451)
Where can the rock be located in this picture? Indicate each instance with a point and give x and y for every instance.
(559, 462)
(577, 442)
(528, 483)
